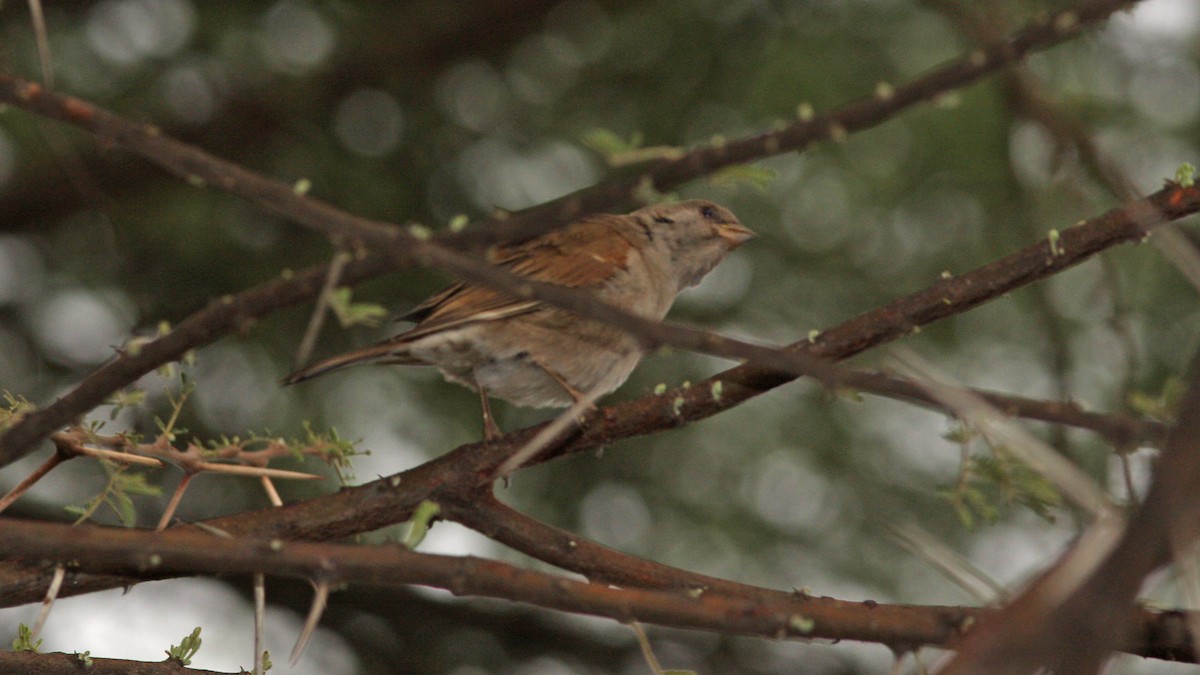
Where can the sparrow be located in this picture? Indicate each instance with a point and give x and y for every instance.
(534, 354)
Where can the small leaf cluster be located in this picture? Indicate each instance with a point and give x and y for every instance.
(186, 649)
(988, 484)
(350, 313)
(118, 494)
(13, 409)
(1162, 406)
(24, 641)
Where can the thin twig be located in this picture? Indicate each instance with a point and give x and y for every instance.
(42, 38)
(1180, 252)
(949, 562)
(1131, 496)
(60, 573)
(272, 493)
(30, 480)
(321, 310)
(260, 614)
(315, 610)
(647, 649)
(173, 504)
(548, 433)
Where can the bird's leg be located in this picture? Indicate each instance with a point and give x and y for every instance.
(490, 431)
(574, 393)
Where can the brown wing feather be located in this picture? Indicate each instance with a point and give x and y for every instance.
(586, 253)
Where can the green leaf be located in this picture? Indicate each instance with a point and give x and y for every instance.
(607, 143)
(1185, 175)
(24, 640)
(757, 177)
(123, 505)
(355, 314)
(15, 407)
(459, 223)
(125, 398)
(1162, 406)
(186, 649)
(419, 527)
(620, 152)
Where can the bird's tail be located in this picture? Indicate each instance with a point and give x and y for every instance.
(383, 352)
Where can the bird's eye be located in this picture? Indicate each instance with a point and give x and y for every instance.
(708, 212)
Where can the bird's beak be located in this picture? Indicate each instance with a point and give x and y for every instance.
(735, 233)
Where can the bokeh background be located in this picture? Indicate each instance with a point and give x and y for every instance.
(425, 110)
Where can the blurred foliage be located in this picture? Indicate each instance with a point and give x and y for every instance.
(423, 111)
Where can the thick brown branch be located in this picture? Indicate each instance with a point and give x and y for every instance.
(29, 663)
(734, 610)
(482, 512)
(137, 552)
(1156, 634)
(391, 500)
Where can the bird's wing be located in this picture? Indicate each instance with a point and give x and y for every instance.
(585, 254)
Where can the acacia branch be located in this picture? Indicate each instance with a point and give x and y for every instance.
(886, 102)
(401, 245)
(1122, 431)
(379, 503)
(137, 552)
(947, 297)
(32, 663)
(194, 164)
(221, 317)
(675, 407)
(1155, 634)
(1076, 634)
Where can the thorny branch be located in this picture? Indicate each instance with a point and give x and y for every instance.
(1099, 615)
(947, 297)
(457, 475)
(885, 103)
(1076, 633)
(32, 663)
(764, 613)
(376, 504)
(400, 245)
(222, 316)
(193, 163)
(716, 606)
(385, 501)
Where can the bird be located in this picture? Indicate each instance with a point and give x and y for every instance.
(534, 354)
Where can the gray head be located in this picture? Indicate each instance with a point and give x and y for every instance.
(695, 235)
